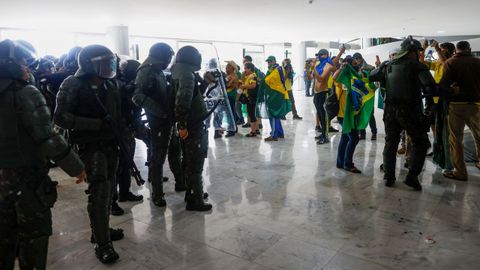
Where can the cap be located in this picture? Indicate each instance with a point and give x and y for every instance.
(357, 56)
(271, 58)
(321, 52)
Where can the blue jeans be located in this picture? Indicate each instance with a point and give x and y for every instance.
(307, 87)
(346, 148)
(276, 126)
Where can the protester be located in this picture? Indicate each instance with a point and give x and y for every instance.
(461, 73)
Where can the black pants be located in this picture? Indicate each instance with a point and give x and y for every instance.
(25, 217)
(319, 101)
(101, 161)
(399, 118)
(251, 108)
(124, 172)
(195, 150)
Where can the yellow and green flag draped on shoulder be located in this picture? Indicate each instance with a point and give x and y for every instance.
(360, 99)
(272, 98)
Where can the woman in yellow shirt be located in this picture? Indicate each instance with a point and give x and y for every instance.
(249, 88)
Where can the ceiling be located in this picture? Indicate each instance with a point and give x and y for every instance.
(256, 21)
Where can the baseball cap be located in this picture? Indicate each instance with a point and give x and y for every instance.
(271, 58)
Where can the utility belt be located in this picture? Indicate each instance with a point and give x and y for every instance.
(197, 131)
(37, 180)
(90, 136)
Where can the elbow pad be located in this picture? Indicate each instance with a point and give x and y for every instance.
(57, 149)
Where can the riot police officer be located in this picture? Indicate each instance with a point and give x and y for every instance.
(135, 128)
(88, 105)
(27, 143)
(190, 112)
(155, 95)
(405, 78)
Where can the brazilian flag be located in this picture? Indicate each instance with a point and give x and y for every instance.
(360, 99)
(272, 98)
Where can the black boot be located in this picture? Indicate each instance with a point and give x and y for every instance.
(116, 210)
(412, 181)
(159, 200)
(115, 235)
(106, 254)
(130, 197)
(196, 201)
(158, 197)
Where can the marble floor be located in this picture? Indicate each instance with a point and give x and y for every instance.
(284, 205)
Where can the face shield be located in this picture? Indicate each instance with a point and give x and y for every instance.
(25, 55)
(105, 66)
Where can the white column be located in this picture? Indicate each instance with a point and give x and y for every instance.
(366, 42)
(118, 39)
(300, 53)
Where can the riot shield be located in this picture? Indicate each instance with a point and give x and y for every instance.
(220, 111)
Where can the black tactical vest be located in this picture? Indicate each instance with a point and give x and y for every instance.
(161, 91)
(88, 105)
(17, 148)
(402, 83)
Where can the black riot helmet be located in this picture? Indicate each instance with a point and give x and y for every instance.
(70, 63)
(129, 70)
(45, 67)
(409, 45)
(14, 56)
(189, 55)
(160, 54)
(97, 60)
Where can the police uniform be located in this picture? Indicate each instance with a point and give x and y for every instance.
(91, 112)
(27, 143)
(155, 95)
(405, 78)
(190, 112)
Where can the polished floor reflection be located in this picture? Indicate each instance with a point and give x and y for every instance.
(284, 205)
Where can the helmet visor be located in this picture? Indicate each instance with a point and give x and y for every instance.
(105, 66)
(25, 52)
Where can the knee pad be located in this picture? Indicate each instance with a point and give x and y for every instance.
(98, 170)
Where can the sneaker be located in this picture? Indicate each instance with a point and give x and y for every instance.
(217, 134)
(271, 139)
(116, 210)
(332, 129)
(130, 197)
(353, 170)
(322, 141)
(297, 117)
(230, 134)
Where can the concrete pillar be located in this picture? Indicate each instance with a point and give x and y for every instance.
(300, 51)
(118, 39)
